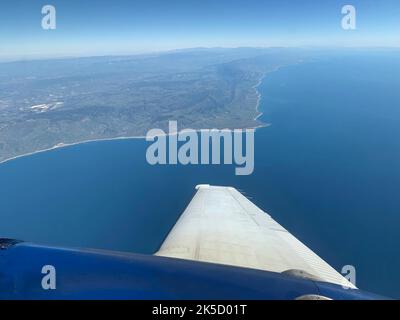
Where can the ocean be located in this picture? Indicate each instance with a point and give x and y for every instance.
(327, 168)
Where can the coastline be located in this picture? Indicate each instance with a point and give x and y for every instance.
(260, 113)
(66, 145)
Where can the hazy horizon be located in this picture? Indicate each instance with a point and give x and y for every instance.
(177, 50)
(136, 27)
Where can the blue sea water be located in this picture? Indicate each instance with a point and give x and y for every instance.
(328, 169)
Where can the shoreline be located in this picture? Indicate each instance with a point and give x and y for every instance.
(66, 145)
(260, 113)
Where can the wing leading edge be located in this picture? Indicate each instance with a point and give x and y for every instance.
(222, 226)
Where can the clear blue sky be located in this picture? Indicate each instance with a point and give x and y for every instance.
(96, 27)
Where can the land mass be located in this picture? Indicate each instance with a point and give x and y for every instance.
(52, 103)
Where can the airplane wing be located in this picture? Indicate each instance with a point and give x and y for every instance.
(222, 226)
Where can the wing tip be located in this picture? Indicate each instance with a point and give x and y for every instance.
(208, 186)
(202, 186)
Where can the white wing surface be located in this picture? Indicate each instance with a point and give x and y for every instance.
(222, 226)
